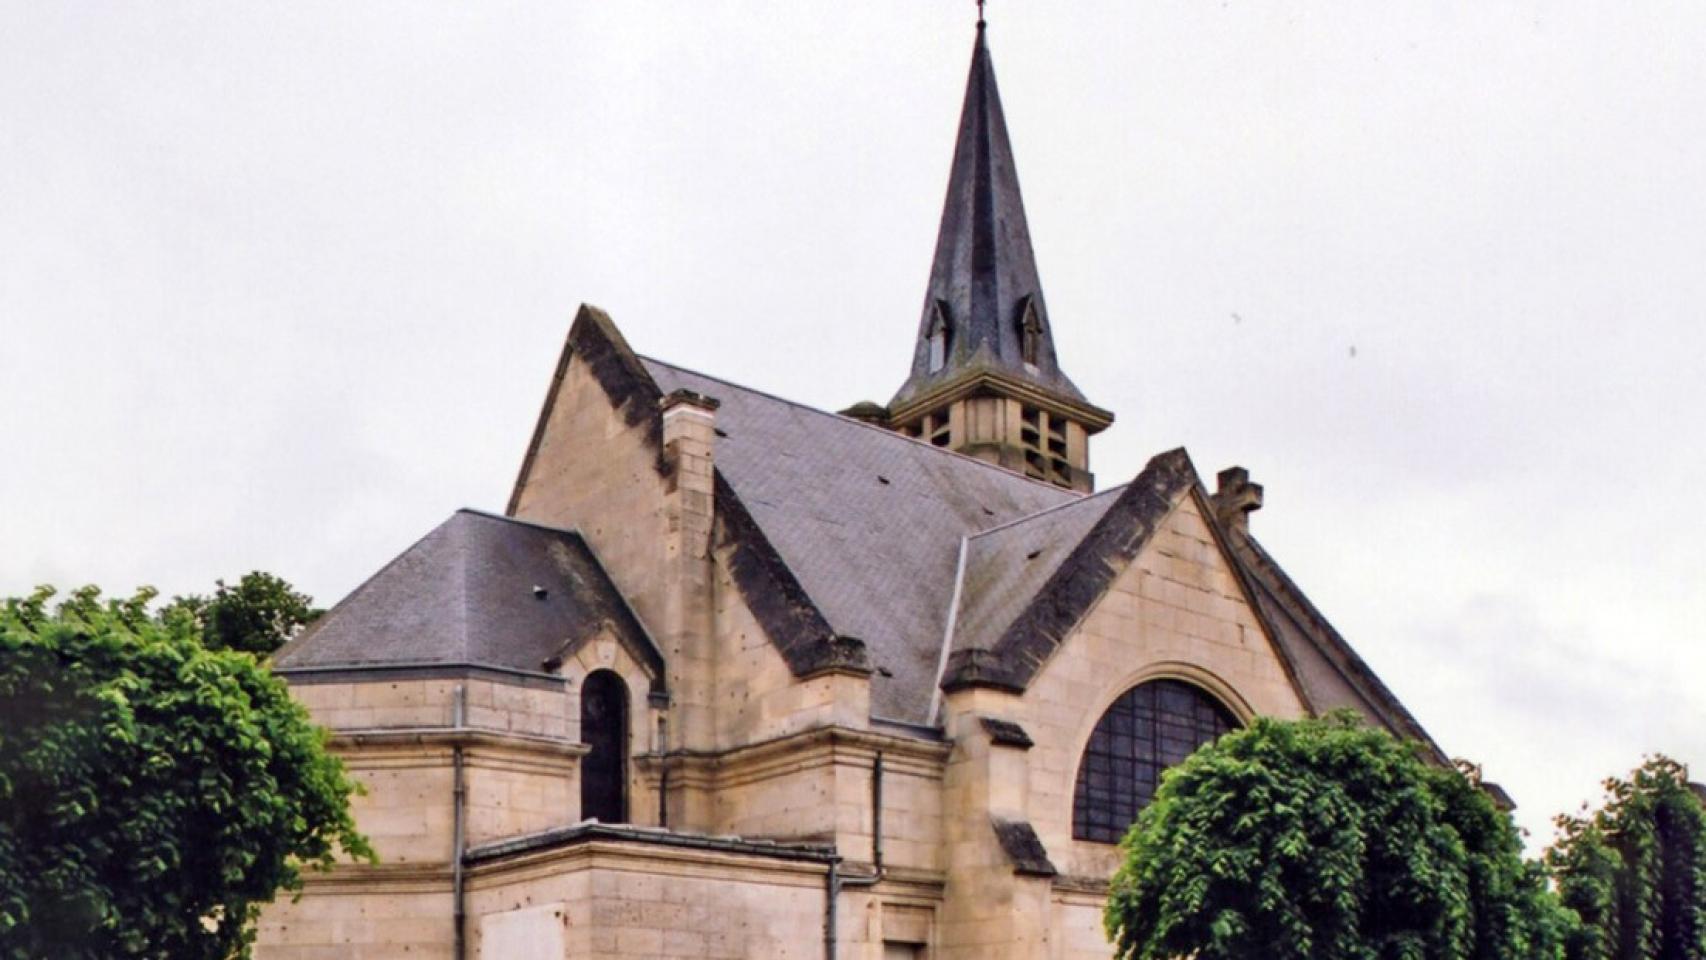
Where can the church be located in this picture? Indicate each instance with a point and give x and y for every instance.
(733, 677)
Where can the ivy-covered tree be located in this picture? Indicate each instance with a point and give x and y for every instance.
(1324, 839)
(256, 616)
(153, 793)
(1635, 870)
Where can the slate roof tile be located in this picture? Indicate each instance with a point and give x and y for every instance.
(479, 590)
(868, 520)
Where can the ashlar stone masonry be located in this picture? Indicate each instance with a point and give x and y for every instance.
(831, 679)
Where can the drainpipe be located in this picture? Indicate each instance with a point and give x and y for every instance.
(835, 882)
(831, 893)
(459, 814)
(663, 772)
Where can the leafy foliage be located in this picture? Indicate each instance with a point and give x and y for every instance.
(1326, 840)
(152, 793)
(257, 615)
(1635, 870)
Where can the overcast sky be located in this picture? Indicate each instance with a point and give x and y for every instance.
(282, 285)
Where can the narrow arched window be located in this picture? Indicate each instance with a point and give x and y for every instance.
(604, 728)
(1149, 728)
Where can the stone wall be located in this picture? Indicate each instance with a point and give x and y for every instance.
(758, 697)
(372, 701)
(398, 739)
(1177, 611)
(632, 900)
(594, 472)
(362, 913)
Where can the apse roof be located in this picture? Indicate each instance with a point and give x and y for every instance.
(479, 590)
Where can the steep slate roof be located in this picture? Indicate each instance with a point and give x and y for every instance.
(868, 522)
(1024, 613)
(856, 529)
(1005, 567)
(1028, 583)
(985, 273)
(846, 539)
(465, 595)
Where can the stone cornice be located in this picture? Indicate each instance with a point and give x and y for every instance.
(1087, 886)
(989, 381)
(588, 845)
(808, 749)
(408, 738)
(369, 878)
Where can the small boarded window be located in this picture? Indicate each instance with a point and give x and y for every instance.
(1149, 728)
(604, 728)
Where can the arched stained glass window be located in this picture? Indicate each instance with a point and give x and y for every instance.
(1148, 729)
(604, 727)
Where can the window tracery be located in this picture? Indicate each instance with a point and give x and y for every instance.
(1149, 728)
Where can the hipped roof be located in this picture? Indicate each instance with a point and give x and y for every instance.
(479, 590)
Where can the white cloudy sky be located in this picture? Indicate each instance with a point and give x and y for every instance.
(281, 285)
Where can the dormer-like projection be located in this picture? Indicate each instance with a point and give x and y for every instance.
(985, 380)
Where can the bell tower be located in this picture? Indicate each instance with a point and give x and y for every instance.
(985, 379)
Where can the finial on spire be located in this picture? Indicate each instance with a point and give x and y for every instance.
(980, 14)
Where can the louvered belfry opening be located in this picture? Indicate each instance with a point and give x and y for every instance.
(1149, 728)
(604, 728)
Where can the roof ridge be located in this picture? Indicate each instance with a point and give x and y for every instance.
(294, 642)
(464, 604)
(870, 426)
(519, 521)
(1047, 510)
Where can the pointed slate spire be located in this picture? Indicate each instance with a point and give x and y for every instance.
(984, 309)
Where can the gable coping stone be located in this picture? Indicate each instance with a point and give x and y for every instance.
(1082, 578)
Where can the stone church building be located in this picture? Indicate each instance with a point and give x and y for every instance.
(734, 677)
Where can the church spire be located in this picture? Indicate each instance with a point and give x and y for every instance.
(985, 328)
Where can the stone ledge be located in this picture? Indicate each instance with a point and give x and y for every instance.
(397, 672)
(1020, 842)
(592, 831)
(1091, 886)
(813, 747)
(456, 736)
(1006, 733)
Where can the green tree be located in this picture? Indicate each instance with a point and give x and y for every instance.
(153, 793)
(1635, 870)
(1326, 840)
(256, 616)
